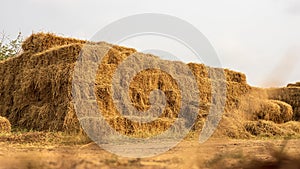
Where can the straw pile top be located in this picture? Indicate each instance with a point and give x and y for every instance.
(43, 41)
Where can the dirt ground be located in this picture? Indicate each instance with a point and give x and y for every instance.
(40, 152)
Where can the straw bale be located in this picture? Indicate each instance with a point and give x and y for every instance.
(286, 111)
(263, 109)
(234, 76)
(36, 88)
(201, 69)
(230, 75)
(5, 126)
(297, 84)
(234, 95)
(43, 41)
(290, 95)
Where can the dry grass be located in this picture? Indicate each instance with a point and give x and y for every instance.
(270, 129)
(43, 138)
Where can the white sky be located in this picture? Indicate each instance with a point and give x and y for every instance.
(258, 37)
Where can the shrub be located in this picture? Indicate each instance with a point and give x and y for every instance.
(9, 47)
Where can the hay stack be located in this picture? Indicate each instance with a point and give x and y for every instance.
(5, 126)
(36, 91)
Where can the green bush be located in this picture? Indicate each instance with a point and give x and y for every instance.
(9, 47)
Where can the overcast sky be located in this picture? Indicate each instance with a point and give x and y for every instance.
(258, 37)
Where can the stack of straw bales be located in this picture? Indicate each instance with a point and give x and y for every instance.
(36, 92)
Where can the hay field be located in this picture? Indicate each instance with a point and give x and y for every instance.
(36, 97)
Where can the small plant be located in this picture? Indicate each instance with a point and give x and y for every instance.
(9, 47)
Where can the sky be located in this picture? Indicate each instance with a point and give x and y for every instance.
(260, 38)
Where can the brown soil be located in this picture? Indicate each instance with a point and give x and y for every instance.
(215, 153)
